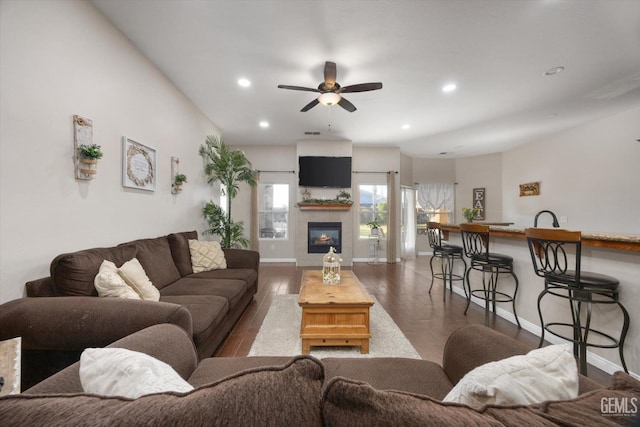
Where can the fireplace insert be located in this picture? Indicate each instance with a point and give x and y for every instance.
(322, 235)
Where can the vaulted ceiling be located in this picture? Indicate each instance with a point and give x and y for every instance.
(495, 51)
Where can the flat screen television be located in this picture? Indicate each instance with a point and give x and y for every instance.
(317, 171)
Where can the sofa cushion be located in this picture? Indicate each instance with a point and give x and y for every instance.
(248, 275)
(392, 373)
(347, 402)
(547, 373)
(179, 244)
(278, 395)
(127, 373)
(207, 313)
(155, 257)
(232, 290)
(73, 273)
(206, 256)
(216, 368)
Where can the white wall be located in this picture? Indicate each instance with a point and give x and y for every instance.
(60, 58)
(274, 162)
(480, 172)
(589, 174)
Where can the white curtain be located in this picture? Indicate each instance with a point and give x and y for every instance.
(436, 196)
(392, 231)
(255, 243)
(408, 246)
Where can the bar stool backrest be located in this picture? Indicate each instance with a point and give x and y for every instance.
(475, 239)
(555, 253)
(434, 234)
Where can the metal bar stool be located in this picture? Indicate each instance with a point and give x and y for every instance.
(447, 254)
(553, 253)
(475, 239)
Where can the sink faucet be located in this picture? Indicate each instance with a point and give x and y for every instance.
(555, 219)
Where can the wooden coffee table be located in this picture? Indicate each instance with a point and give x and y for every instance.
(334, 315)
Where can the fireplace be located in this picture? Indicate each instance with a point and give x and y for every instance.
(322, 235)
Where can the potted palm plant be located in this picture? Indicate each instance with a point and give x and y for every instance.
(229, 167)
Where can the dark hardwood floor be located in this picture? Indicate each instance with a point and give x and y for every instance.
(402, 289)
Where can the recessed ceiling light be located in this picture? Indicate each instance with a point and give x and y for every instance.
(450, 87)
(553, 71)
(264, 124)
(406, 126)
(244, 82)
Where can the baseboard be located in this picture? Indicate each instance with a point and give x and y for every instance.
(370, 260)
(274, 260)
(593, 359)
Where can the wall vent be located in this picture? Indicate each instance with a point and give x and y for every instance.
(312, 133)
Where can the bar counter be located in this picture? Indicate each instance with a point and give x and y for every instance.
(601, 240)
(606, 253)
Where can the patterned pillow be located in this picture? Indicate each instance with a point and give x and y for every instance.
(206, 256)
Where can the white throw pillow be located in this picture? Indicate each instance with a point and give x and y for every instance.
(547, 373)
(110, 284)
(206, 256)
(135, 276)
(127, 373)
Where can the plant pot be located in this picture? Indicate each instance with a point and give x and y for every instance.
(374, 231)
(88, 166)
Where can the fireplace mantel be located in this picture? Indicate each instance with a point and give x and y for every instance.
(305, 206)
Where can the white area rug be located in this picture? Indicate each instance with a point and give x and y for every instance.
(279, 334)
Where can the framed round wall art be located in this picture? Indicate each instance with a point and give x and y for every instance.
(138, 165)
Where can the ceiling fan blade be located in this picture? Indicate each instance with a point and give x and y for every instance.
(362, 87)
(310, 105)
(306, 89)
(347, 105)
(329, 75)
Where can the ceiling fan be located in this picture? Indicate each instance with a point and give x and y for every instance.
(331, 92)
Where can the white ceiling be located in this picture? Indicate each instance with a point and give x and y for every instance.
(496, 51)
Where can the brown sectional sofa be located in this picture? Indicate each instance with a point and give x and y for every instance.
(303, 391)
(62, 314)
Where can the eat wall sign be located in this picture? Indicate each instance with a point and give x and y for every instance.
(479, 202)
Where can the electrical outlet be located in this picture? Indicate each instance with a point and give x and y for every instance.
(272, 247)
(564, 219)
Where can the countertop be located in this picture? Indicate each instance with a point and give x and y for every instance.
(628, 242)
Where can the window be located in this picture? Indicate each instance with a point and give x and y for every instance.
(273, 211)
(373, 205)
(434, 202)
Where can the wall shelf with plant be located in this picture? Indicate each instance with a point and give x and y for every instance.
(85, 152)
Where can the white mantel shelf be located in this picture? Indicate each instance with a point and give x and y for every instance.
(324, 206)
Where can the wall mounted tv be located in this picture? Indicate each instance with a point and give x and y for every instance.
(316, 171)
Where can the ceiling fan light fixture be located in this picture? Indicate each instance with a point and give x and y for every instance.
(329, 98)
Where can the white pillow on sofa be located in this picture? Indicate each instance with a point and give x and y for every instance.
(547, 373)
(110, 284)
(127, 373)
(134, 276)
(206, 255)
